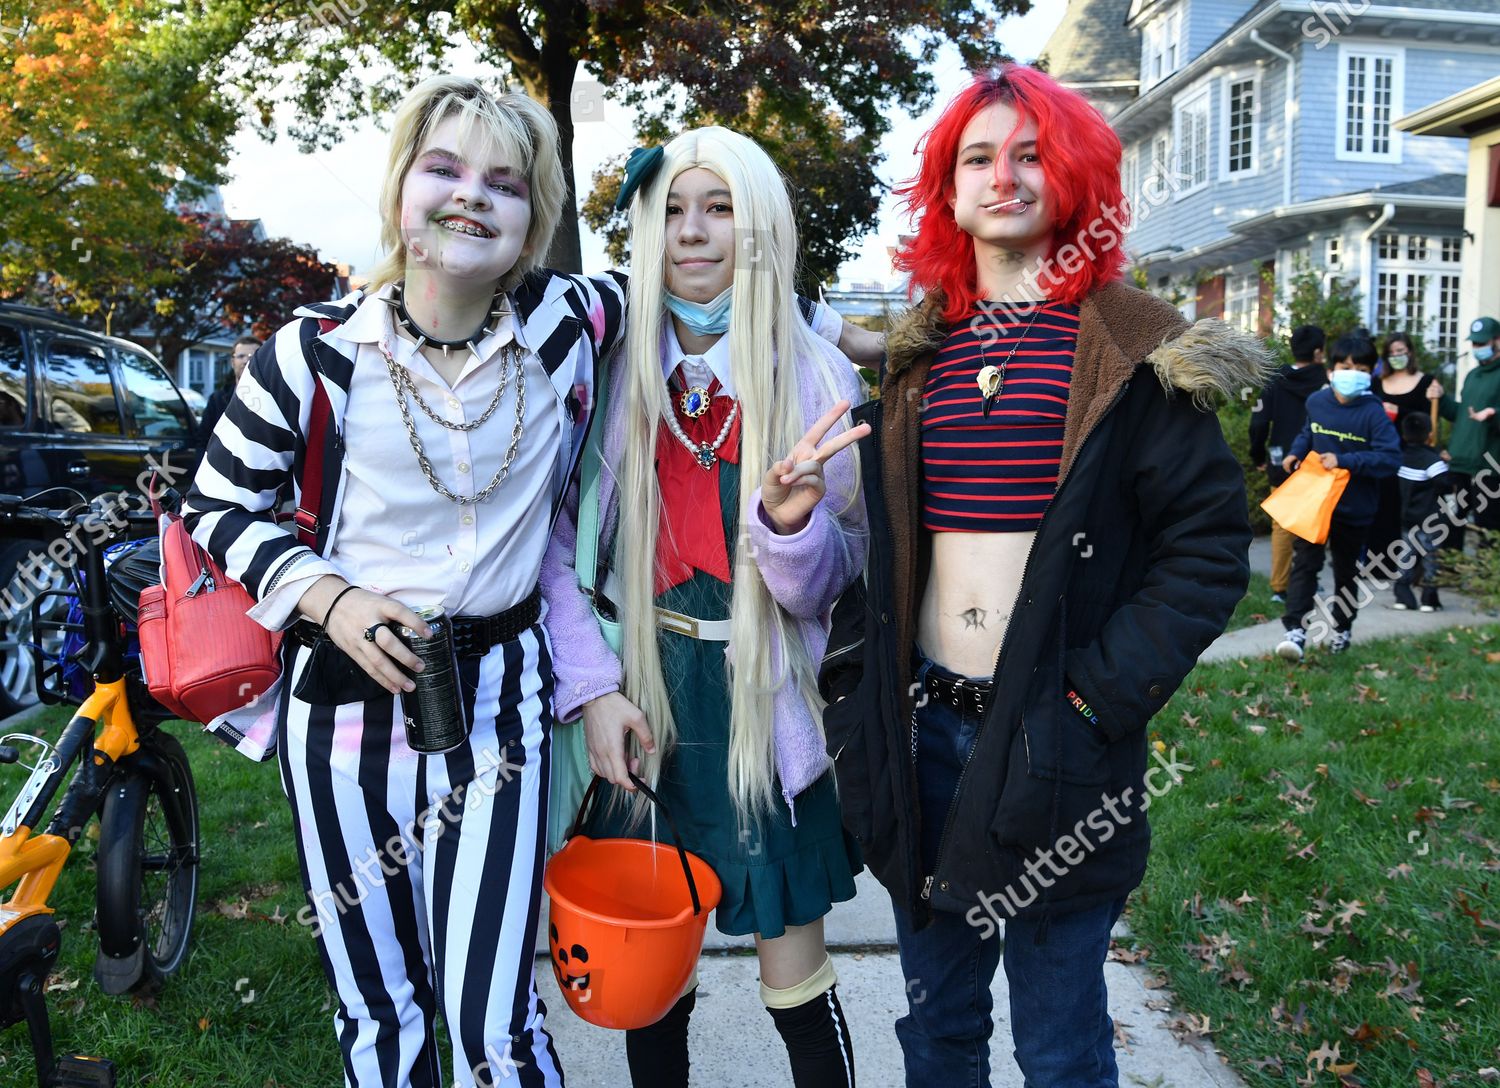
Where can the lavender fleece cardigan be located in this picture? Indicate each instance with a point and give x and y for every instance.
(805, 573)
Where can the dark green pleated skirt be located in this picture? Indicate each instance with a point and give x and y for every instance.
(774, 875)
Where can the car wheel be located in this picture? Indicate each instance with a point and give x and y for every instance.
(17, 666)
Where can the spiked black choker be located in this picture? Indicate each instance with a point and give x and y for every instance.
(498, 309)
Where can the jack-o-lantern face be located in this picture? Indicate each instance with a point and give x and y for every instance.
(566, 959)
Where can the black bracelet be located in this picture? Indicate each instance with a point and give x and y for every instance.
(336, 600)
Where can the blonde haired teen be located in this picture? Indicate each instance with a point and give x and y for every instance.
(458, 388)
(726, 545)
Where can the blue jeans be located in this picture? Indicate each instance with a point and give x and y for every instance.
(1060, 1025)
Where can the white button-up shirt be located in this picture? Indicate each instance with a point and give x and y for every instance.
(399, 537)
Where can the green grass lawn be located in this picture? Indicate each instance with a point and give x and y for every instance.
(1326, 878)
(1255, 606)
(1324, 888)
(249, 1008)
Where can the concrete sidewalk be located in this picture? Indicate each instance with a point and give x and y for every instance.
(734, 1044)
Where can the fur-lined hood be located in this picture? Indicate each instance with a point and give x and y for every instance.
(1208, 360)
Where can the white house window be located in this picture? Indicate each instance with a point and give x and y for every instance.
(197, 368)
(1161, 47)
(1387, 294)
(1242, 300)
(1414, 300)
(1161, 153)
(1453, 250)
(1333, 253)
(1369, 97)
(1190, 135)
(1447, 321)
(1416, 247)
(1130, 176)
(1389, 246)
(1241, 111)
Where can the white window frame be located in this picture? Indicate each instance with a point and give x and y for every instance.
(1333, 252)
(1397, 56)
(1242, 299)
(1195, 100)
(1251, 76)
(1130, 176)
(1161, 39)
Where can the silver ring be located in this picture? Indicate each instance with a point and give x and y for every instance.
(372, 630)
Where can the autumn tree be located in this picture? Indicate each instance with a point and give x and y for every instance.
(110, 118)
(815, 80)
(225, 279)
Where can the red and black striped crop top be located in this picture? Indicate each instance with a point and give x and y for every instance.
(997, 475)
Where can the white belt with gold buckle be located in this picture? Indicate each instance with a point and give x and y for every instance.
(676, 622)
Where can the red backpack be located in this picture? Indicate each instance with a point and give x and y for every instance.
(201, 653)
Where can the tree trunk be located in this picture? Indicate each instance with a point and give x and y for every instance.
(566, 254)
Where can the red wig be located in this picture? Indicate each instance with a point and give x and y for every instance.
(1080, 158)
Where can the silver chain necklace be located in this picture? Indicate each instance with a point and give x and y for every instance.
(510, 357)
(704, 453)
(396, 376)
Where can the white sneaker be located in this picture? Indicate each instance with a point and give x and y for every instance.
(1339, 642)
(1291, 646)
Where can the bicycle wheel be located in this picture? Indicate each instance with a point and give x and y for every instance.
(148, 868)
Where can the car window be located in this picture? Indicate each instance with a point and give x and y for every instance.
(80, 395)
(154, 402)
(13, 395)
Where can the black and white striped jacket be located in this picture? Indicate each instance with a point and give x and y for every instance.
(259, 446)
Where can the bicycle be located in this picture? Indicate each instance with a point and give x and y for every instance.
(133, 774)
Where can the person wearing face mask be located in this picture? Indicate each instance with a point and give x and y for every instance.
(1348, 428)
(1403, 390)
(1475, 442)
(722, 543)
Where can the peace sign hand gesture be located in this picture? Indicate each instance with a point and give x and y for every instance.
(794, 485)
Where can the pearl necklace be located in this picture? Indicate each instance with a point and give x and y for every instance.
(704, 453)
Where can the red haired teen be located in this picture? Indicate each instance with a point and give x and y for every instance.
(1057, 530)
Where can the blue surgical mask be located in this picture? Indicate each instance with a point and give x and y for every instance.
(703, 318)
(1349, 383)
(1484, 354)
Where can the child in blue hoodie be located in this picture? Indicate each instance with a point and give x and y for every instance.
(1347, 428)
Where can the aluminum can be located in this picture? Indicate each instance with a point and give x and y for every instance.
(434, 711)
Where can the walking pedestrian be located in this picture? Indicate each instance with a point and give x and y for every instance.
(1275, 422)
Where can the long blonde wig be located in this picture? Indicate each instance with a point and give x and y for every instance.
(510, 128)
(765, 330)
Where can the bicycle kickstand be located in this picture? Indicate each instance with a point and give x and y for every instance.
(71, 1071)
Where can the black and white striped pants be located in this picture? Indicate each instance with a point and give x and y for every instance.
(423, 874)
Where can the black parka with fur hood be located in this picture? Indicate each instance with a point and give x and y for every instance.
(1137, 566)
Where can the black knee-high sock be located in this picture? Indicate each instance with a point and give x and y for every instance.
(658, 1053)
(817, 1041)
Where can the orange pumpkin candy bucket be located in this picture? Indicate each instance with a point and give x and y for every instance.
(626, 920)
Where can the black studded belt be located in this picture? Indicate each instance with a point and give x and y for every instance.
(963, 695)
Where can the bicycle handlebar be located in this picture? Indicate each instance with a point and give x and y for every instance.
(15, 511)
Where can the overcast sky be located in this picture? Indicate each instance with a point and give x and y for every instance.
(328, 199)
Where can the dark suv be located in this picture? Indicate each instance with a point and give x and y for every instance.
(80, 411)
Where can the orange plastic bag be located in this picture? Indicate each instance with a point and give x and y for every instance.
(1304, 504)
